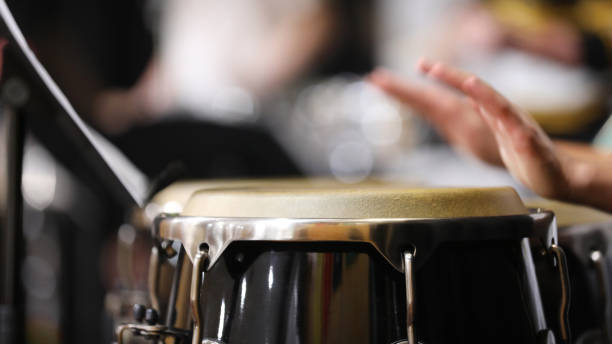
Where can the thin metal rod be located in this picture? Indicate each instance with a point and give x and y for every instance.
(408, 259)
(171, 309)
(598, 260)
(564, 283)
(199, 265)
(154, 267)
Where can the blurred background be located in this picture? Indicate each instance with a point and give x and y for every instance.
(237, 88)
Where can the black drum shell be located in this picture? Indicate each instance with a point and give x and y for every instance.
(468, 290)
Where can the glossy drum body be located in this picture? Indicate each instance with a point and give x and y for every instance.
(284, 294)
(473, 279)
(427, 277)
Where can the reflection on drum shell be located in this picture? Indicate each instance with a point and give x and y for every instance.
(325, 265)
(468, 285)
(464, 292)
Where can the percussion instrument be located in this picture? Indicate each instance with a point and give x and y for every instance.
(586, 235)
(370, 264)
(171, 200)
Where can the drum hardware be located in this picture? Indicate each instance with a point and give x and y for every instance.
(203, 256)
(584, 235)
(166, 245)
(561, 264)
(166, 249)
(408, 259)
(153, 332)
(597, 259)
(175, 328)
(558, 261)
(154, 267)
(200, 263)
(178, 313)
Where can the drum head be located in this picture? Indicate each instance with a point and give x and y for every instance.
(349, 202)
(173, 199)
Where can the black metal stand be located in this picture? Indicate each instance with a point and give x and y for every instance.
(11, 299)
(28, 89)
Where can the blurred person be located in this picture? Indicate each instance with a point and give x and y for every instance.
(151, 59)
(211, 51)
(219, 61)
(573, 32)
(548, 56)
(476, 119)
(223, 67)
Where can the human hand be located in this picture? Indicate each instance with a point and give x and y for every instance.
(481, 121)
(453, 115)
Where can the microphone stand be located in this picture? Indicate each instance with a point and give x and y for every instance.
(12, 305)
(28, 90)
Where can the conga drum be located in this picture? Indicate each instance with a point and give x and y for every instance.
(586, 236)
(169, 273)
(372, 264)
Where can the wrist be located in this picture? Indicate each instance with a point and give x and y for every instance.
(579, 175)
(590, 183)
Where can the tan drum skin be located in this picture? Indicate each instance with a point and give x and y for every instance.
(181, 191)
(355, 202)
(174, 198)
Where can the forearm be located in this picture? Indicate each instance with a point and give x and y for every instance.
(592, 185)
(584, 152)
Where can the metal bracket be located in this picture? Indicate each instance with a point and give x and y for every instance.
(598, 261)
(154, 266)
(199, 266)
(545, 225)
(561, 265)
(158, 332)
(211, 341)
(408, 258)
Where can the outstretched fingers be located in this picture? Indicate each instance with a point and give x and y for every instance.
(524, 147)
(496, 106)
(450, 76)
(425, 100)
(469, 84)
(510, 126)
